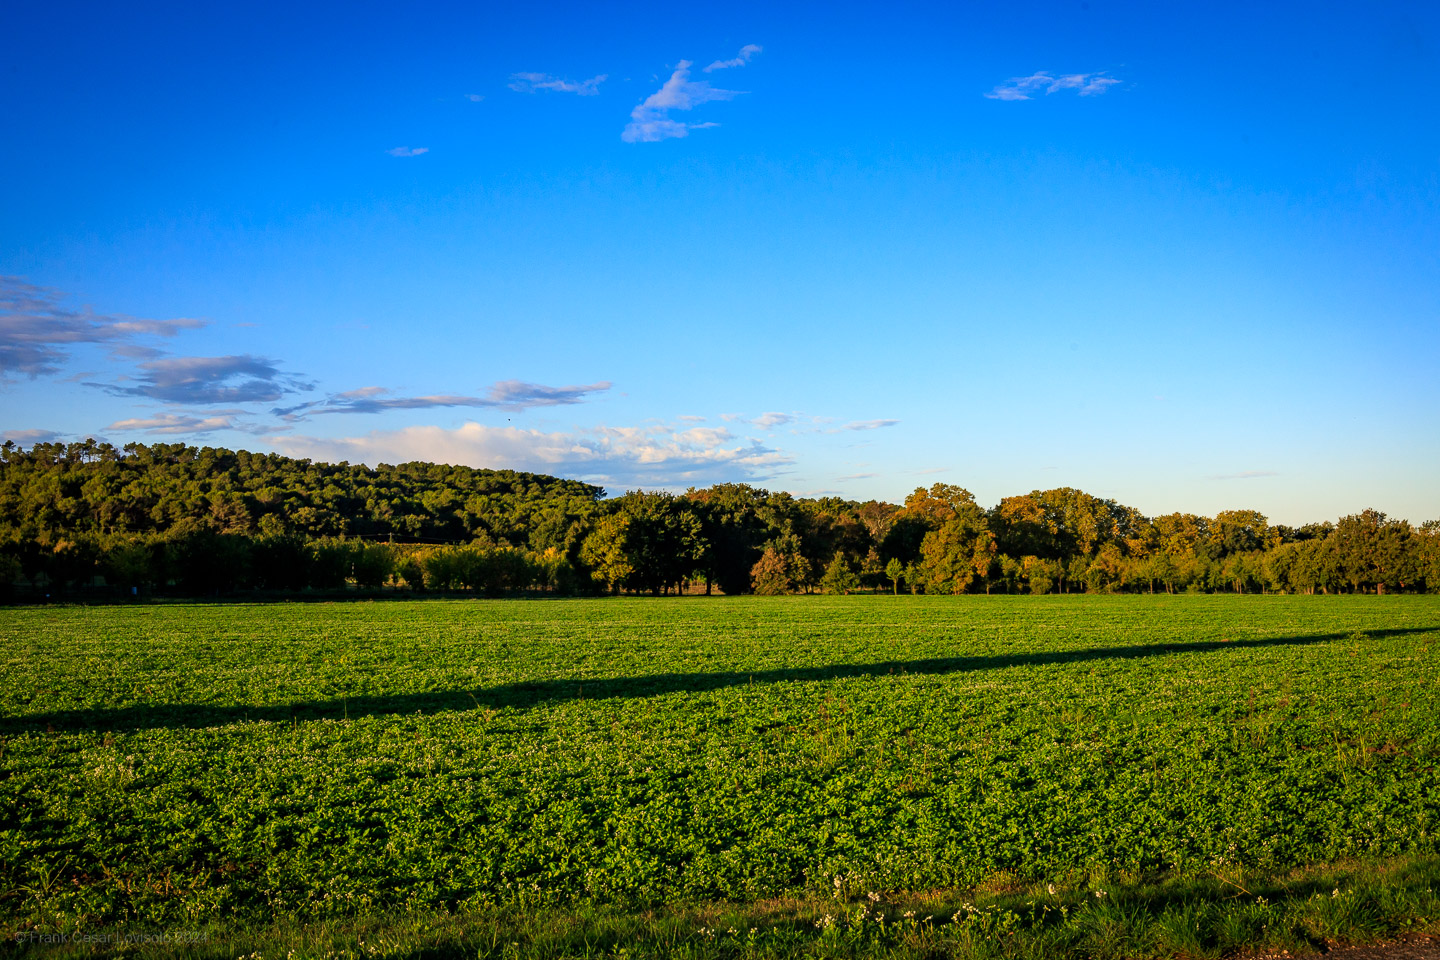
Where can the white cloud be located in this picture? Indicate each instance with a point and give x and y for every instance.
(474, 97)
(705, 436)
(170, 423)
(536, 82)
(30, 437)
(651, 121)
(407, 151)
(747, 52)
(767, 421)
(870, 424)
(1021, 88)
(1087, 85)
(1013, 92)
(658, 455)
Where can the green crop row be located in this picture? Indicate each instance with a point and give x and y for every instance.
(194, 765)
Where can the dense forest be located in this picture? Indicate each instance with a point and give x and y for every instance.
(88, 518)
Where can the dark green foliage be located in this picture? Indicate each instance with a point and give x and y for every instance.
(736, 521)
(664, 540)
(281, 562)
(83, 518)
(1372, 550)
(54, 491)
(210, 521)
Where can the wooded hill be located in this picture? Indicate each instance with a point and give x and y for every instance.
(175, 518)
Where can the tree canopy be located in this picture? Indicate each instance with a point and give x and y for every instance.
(170, 517)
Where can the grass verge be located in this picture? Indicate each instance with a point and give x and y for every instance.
(1222, 913)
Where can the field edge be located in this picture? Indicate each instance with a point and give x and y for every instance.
(1217, 914)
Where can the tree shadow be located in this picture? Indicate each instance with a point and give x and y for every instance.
(526, 694)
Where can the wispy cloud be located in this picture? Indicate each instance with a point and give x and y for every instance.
(651, 121)
(474, 97)
(171, 424)
(241, 378)
(135, 351)
(745, 55)
(857, 476)
(804, 422)
(518, 394)
(1024, 88)
(35, 328)
(769, 421)
(506, 394)
(536, 82)
(657, 455)
(407, 151)
(1245, 475)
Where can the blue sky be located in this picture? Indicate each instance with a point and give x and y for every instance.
(1182, 255)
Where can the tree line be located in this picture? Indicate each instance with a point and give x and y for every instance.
(201, 521)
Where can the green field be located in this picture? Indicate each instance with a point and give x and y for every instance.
(584, 776)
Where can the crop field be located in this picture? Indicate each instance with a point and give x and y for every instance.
(805, 764)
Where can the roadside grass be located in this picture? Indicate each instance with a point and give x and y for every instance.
(1211, 916)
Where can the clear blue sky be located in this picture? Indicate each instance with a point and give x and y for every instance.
(1182, 255)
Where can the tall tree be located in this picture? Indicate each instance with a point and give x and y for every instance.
(606, 551)
(664, 540)
(839, 578)
(895, 571)
(1374, 551)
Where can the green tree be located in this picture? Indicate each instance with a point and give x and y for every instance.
(664, 540)
(1239, 531)
(1375, 551)
(1427, 554)
(131, 564)
(872, 571)
(605, 551)
(734, 529)
(895, 571)
(839, 578)
(1041, 574)
(1011, 573)
(371, 564)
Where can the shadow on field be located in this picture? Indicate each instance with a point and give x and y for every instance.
(533, 693)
